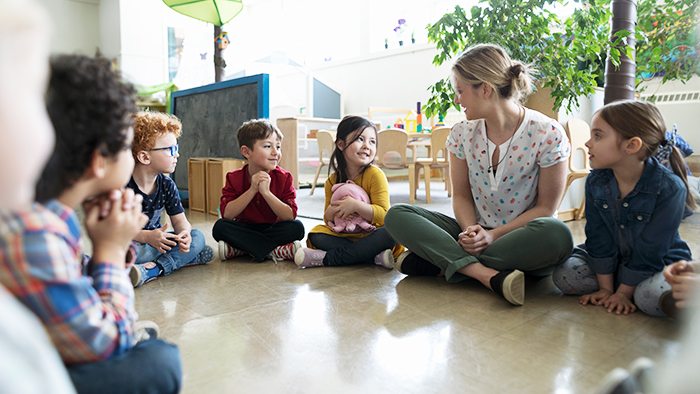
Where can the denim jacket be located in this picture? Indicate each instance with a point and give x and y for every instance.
(643, 238)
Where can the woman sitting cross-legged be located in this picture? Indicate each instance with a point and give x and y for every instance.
(508, 170)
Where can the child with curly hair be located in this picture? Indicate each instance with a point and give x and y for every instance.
(87, 305)
(155, 154)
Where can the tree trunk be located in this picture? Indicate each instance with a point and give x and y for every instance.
(620, 82)
(219, 63)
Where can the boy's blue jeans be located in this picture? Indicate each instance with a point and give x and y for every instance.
(172, 259)
(152, 366)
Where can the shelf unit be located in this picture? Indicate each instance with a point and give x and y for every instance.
(291, 143)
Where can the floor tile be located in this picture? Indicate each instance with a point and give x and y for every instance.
(264, 327)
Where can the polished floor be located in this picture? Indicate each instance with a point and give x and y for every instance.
(244, 327)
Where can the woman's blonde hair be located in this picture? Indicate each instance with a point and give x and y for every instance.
(642, 119)
(490, 64)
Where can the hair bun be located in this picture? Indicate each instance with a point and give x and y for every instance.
(516, 70)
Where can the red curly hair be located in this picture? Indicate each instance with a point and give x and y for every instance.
(149, 126)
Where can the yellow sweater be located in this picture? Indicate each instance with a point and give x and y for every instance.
(374, 182)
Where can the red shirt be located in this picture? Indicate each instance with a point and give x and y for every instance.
(258, 211)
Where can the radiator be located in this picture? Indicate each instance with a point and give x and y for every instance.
(673, 98)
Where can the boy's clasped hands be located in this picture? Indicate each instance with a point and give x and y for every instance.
(111, 221)
(260, 182)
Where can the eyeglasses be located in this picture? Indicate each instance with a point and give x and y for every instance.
(173, 149)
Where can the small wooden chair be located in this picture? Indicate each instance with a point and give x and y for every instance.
(326, 141)
(438, 141)
(394, 142)
(578, 132)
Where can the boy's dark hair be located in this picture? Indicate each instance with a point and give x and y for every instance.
(256, 129)
(349, 130)
(90, 108)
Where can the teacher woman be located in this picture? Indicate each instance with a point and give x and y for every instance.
(508, 170)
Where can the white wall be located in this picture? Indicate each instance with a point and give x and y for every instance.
(144, 44)
(396, 78)
(76, 26)
(685, 115)
(135, 32)
(110, 29)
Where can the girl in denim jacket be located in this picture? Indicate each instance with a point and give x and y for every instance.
(634, 206)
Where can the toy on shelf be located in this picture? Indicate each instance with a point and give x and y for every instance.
(441, 120)
(411, 122)
(399, 124)
(222, 40)
(419, 120)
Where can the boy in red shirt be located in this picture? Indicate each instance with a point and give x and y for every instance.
(258, 206)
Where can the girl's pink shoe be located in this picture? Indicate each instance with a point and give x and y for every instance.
(305, 257)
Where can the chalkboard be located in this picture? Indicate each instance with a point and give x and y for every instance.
(212, 114)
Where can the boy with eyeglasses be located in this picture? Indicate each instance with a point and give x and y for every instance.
(155, 153)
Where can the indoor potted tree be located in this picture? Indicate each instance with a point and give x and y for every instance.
(668, 40)
(569, 54)
(532, 34)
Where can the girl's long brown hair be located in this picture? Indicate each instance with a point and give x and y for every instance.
(631, 118)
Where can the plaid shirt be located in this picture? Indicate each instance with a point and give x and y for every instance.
(86, 306)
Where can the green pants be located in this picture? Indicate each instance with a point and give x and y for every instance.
(535, 249)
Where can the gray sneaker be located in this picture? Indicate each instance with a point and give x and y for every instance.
(145, 330)
(385, 259)
(618, 381)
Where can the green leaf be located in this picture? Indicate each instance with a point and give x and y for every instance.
(569, 54)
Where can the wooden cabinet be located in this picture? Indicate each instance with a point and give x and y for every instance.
(197, 183)
(216, 179)
(206, 176)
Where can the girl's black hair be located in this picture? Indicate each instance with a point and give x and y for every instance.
(349, 130)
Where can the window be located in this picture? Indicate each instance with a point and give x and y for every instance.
(175, 38)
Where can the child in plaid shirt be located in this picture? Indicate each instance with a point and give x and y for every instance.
(87, 307)
(28, 361)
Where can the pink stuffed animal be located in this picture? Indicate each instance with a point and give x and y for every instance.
(358, 224)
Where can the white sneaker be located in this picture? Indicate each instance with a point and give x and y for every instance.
(642, 370)
(618, 381)
(223, 248)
